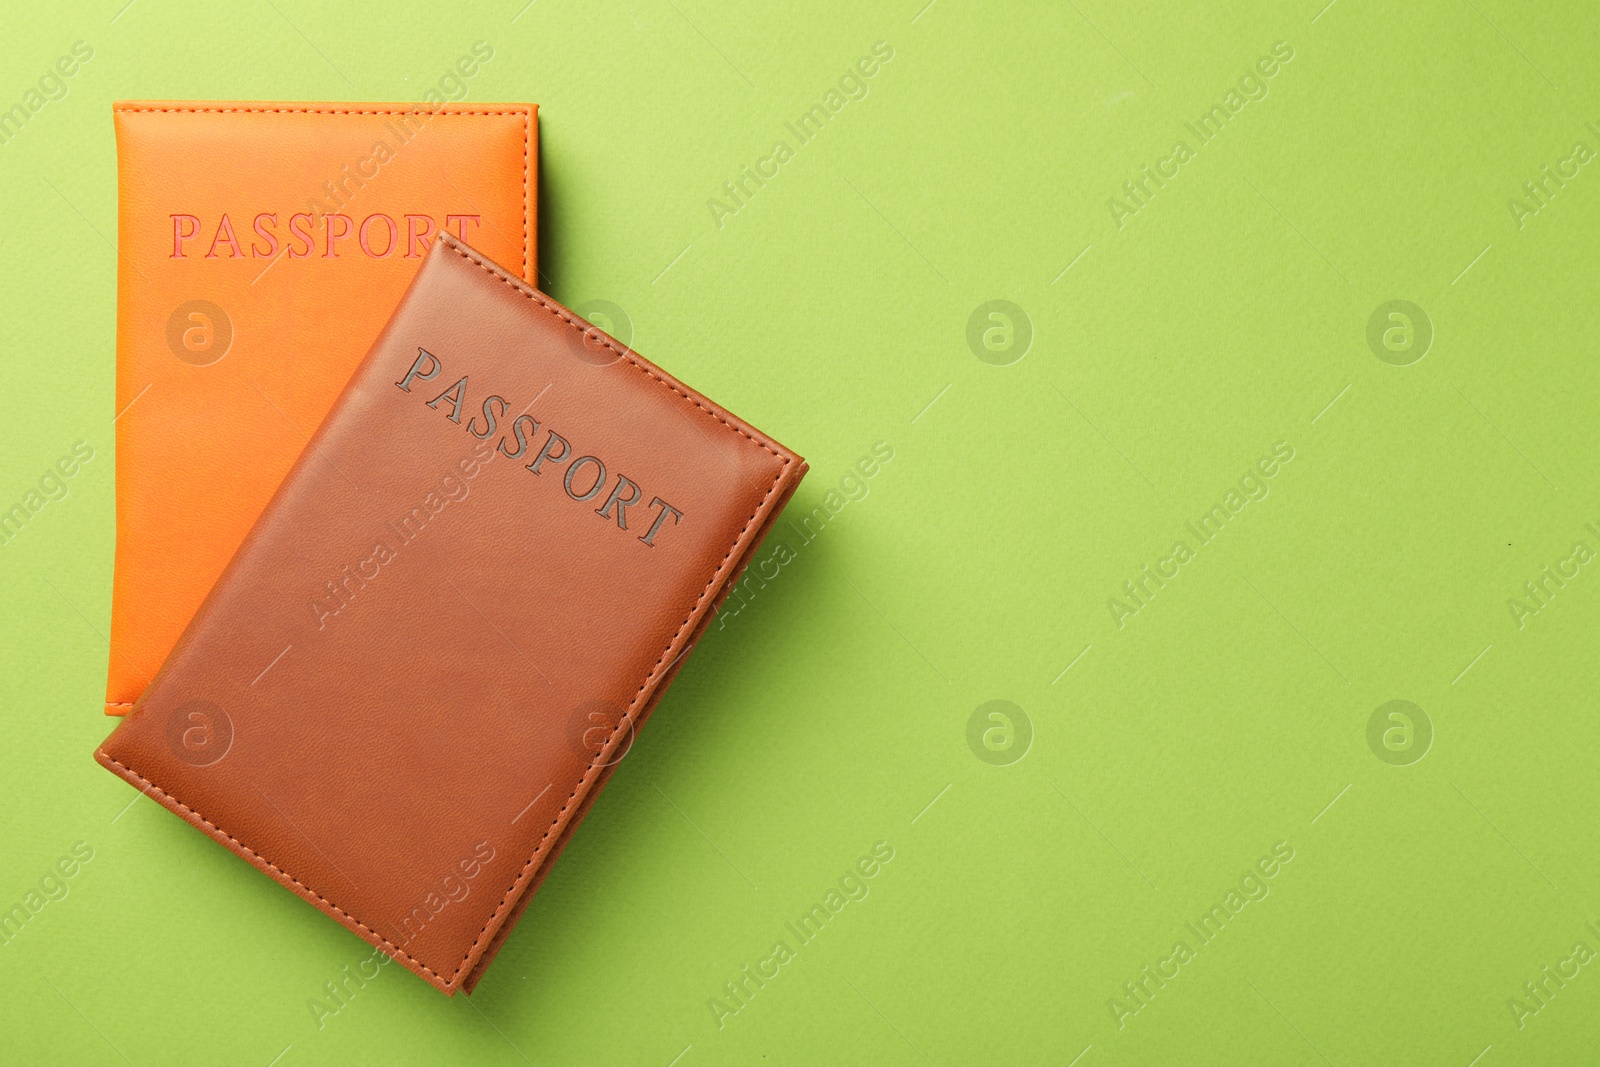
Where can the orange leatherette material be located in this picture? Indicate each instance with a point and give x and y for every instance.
(449, 623)
(261, 247)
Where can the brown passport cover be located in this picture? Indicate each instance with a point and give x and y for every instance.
(474, 585)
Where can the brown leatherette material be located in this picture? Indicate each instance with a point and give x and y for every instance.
(445, 630)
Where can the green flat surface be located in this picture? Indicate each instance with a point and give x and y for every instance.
(1169, 750)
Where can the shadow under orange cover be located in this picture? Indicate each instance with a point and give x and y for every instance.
(261, 248)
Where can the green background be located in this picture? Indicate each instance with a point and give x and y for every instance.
(1165, 755)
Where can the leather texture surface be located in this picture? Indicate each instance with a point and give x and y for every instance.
(435, 646)
(261, 247)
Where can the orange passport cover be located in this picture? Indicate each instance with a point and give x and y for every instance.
(261, 248)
